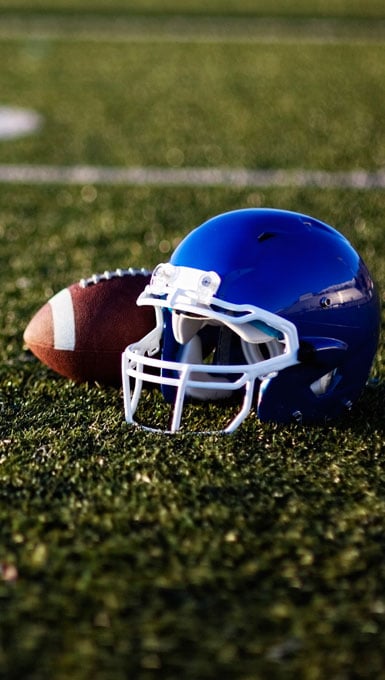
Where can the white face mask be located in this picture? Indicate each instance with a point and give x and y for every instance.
(190, 295)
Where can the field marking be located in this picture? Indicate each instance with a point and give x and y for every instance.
(192, 177)
(16, 122)
(192, 29)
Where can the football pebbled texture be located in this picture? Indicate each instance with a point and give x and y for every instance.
(82, 331)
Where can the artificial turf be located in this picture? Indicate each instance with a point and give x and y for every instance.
(133, 555)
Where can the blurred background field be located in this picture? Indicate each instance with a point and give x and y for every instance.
(232, 105)
(124, 555)
(314, 8)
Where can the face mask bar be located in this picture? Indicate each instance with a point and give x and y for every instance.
(252, 324)
(133, 368)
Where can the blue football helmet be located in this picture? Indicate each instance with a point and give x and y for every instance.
(270, 305)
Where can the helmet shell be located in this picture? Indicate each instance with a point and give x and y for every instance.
(307, 272)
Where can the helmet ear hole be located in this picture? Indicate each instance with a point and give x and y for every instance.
(325, 383)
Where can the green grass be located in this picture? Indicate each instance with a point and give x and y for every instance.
(256, 553)
(129, 555)
(301, 8)
(202, 105)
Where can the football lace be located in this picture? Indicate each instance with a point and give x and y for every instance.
(107, 275)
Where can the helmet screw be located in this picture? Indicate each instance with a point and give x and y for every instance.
(325, 302)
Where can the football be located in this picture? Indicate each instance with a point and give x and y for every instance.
(82, 331)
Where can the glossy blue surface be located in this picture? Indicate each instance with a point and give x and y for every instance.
(307, 272)
(273, 257)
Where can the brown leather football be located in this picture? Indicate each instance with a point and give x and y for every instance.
(82, 331)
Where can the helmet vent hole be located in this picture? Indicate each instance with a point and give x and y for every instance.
(265, 236)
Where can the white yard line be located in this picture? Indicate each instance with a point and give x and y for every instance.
(193, 177)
